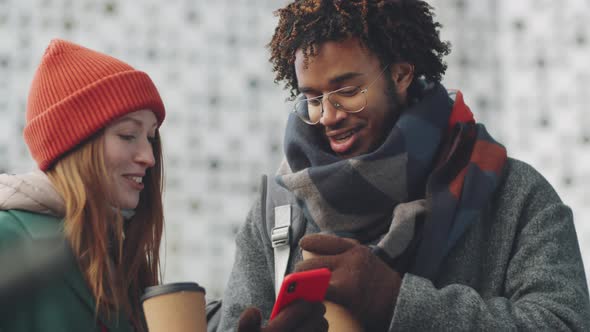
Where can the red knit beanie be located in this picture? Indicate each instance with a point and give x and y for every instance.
(75, 93)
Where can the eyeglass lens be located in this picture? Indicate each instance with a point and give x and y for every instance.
(350, 100)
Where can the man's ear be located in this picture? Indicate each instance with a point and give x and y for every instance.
(402, 74)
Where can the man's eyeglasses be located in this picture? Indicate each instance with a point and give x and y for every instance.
(350, 99)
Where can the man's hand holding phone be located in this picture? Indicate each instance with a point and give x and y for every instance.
(298, 306)
(361, 281)
(310, 286)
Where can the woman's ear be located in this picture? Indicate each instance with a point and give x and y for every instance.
(402, 74)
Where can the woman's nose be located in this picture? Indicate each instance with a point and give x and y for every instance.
(145, 155)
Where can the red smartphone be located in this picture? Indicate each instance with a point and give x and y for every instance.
(309, 285)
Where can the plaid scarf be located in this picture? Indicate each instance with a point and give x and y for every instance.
(416, 194)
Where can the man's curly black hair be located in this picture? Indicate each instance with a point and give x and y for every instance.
(394, 30)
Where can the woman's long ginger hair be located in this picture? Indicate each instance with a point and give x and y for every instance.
(117, 258)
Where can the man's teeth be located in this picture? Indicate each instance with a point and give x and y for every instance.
(344, 136)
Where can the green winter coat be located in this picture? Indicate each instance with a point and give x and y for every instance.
(63, 304)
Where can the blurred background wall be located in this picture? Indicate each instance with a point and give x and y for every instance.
(522, 65)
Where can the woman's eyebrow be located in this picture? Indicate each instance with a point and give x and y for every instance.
(135, 121)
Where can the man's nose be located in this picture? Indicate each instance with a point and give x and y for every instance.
(332, 113)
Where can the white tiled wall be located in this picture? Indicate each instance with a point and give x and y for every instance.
(521, 64)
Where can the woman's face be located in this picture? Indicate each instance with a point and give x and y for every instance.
(129, 154)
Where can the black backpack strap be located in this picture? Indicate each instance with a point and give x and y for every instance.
(213, 315)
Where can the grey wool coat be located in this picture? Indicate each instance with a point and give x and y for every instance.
(518, 268)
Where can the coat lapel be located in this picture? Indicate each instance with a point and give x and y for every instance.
(75, 280)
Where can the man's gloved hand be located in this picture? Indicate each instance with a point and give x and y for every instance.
(360, 281)
(298, 316)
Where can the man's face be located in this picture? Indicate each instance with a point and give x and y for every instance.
(341, 64)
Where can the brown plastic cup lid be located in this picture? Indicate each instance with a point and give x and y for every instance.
(171, 288)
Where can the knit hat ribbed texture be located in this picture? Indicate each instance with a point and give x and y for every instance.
(75, 93)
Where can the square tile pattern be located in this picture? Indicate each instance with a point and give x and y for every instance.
(521, 65)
